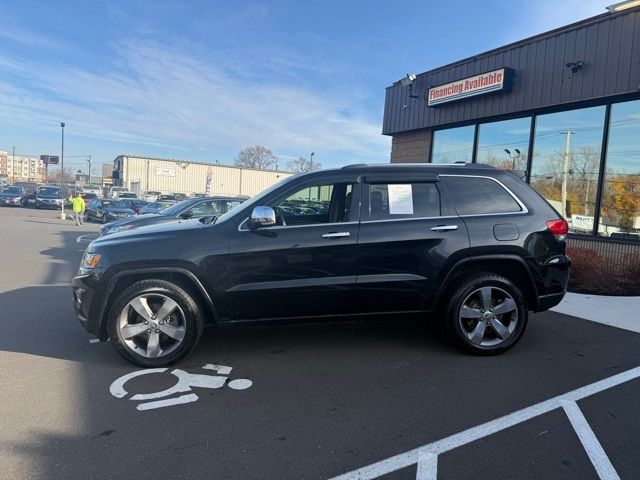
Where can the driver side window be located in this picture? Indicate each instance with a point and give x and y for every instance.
(204, 209)
(316, 204)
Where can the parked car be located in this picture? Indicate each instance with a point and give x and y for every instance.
(155, 207)
(115, 191)
(49, 196)
(88, 197)
(123, 195)
(151, 196)
(472, 242)
(106, 210)
(134, 204)
(196, 208)
(11, 196)
(167, 198)
(94, 189)
(180, 196)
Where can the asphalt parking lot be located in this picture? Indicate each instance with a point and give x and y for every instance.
(377, 399)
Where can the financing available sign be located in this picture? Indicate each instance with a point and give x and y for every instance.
(494, 81)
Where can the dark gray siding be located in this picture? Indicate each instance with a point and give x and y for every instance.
(608, 44)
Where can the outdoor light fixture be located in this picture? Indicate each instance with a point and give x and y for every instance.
(617, 7)
(409, 81)
(575, 66)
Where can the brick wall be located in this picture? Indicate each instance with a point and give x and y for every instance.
(411, 147)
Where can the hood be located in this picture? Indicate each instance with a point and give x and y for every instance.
(121, 210)
(54, 196)
(152, 232)
(138, 221)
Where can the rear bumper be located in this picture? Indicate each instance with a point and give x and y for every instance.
(555, 274)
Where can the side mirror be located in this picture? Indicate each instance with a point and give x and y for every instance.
(262, 216)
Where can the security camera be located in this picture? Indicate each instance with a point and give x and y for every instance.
(575, 66)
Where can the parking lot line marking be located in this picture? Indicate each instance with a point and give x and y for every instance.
(427, 467)
(192, 397)
(590, 442)
(472, 434)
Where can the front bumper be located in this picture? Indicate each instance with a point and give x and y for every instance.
(48, 204)
(84, 302)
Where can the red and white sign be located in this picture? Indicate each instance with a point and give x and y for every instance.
(467, 87)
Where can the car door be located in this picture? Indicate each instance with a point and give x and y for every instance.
(302, 266)
(408, 232)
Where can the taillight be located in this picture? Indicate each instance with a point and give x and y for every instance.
(559, 228)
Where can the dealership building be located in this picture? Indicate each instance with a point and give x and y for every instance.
(143, 174)
(564, 106)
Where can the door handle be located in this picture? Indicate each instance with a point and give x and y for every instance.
(336, 235)
(444, 228)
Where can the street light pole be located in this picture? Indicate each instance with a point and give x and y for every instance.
(89, 162)
(565, 169)
(62, 214)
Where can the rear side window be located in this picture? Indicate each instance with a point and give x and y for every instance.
(480, 196)
(410, 200)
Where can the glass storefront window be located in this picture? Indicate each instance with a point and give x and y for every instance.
(566, 163)
(620, 206)
(453, 145)
(504, 144)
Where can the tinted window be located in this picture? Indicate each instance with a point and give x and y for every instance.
(12, 190)
(620, 208)
(566, 163)
(453, 145)
(504, 144)
(474, 196)
(204, 209)
(49, 191)
(316, 204)
(391, 201)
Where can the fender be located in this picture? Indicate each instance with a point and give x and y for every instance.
(108, 291)
(490, 257)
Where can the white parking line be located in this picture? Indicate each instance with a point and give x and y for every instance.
(421, 455)
(590, 442)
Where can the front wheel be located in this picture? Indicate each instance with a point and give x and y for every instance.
(155, 323)
(486, 314)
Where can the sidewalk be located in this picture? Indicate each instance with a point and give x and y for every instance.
(621, 312)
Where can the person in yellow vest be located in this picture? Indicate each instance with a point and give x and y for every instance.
(78, 205)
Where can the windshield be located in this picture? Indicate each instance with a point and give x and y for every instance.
(49, 191)
(175, 209)
(114, 204)
(89, 195)
(249, 204)
(12, 190)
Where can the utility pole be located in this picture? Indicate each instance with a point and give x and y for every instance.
(565, 169)
(62, 214)
(89, 162)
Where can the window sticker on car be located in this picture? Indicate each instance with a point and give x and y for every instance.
(400, 199)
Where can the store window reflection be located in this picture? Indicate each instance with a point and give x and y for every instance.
(566, 163)
(453, 145)
(504, 144)
(620, 206)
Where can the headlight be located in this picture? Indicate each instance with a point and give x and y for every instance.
(89, 261)
(17, 199)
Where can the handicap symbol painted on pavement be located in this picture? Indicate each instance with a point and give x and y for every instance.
(183, 387)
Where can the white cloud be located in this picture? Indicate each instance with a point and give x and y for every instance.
(160, 96)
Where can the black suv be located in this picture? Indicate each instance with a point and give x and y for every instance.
(472, 242)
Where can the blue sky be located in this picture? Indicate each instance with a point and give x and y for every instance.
(201, 80)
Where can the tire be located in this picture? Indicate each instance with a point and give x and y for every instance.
(104, 218)
(481, 330)
(185, 317)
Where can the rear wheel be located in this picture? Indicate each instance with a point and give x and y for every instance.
(155, 323)
(486, 314)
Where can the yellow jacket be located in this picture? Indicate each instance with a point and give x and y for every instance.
(77, 204)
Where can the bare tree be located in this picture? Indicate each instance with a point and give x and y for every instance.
(55, 175)
(303, 165)
(258, 157)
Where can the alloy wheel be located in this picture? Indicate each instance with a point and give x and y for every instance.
(488, 316)
(152, 325)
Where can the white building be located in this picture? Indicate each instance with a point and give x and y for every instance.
(143, 174)
(21, 168)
